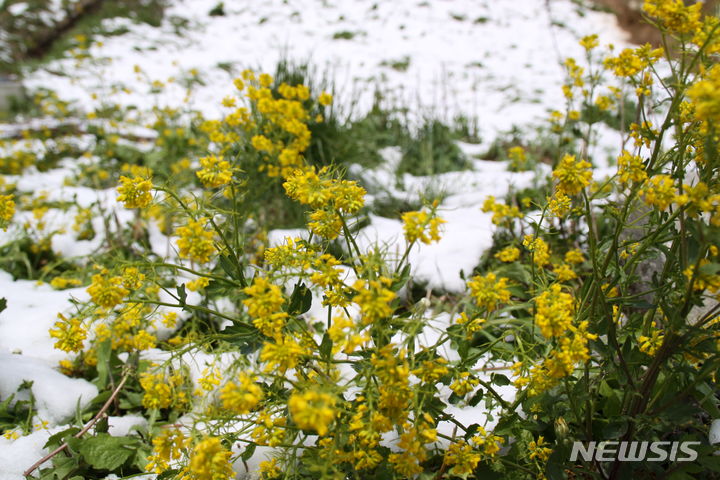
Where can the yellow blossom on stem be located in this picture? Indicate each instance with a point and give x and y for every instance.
(195, 243)
(107, 291)
(70, 334)
(508, 254)
(209, 460)
(422, 226)
(7, 210)
(572, 175)
(242, 397)
(489, 291)
(312, 410)
(216, 172)
(134, 192)
(374, 299)
(554, 311)
(462, 458)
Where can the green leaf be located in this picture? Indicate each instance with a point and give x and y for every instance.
(107, 452)
(182, 294)
(248, 452)
(326, 346)
(300, 300)
(500, 380)
(104, 350)
(3, 304)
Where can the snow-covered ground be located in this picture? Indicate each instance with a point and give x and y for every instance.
(497, 61)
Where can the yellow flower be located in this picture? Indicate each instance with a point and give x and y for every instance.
(631, 168)
(241, 398)
(501, 212)
(264, 299)
(216, 172)
(589, 42)
(70, 334)
(106, 291)
(540, 249)
(508, 254)
(564, 272)
(538, 450)
(651, 344)
(660, 192)
(572, 175)
(554, 311)
(675, 15)
(195, 243)
(209, 460)
(374, 299)
(703, 93)
(559, 205)
(464, 384)
(418, 225)
(312, 410)
(488, 291)
(325, 99)
(282, 355)
(198, 284)
(461, 457)
(325, 223)
(7, 210)
(134, 192)
(574, 256)
(167, 446)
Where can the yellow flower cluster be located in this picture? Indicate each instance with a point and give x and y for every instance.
(540, 249)
(413, 453)
(134, 192)
(215, 171)
(7, 210)
(422, 225)
(393, 372)
(161, 391)
(501, 212)
(489, 291)
(209, 460)
(167, 446)
(572, 175)
(462, 458)
(374, 299)
(554, 311)
(538, 450)
(195, 243)
(650, 345)
(660, 192)
(282, 355)
(703, 94)
(264, 303)
(674, 15)
(318, 191)
(70, 334)
(631, 168)
(312, 410)
(107, 291)
(508, 254)
(631, 61)
(242, 397)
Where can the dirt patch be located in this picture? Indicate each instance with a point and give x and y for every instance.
(630, 18)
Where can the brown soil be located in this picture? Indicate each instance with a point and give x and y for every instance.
(630, 18)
